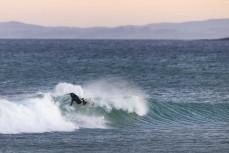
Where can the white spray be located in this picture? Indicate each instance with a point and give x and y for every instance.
(32, 116)
(43, 114)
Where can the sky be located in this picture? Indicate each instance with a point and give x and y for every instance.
(110, 13)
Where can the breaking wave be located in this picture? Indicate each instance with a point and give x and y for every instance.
(112, 103)
(50, 111)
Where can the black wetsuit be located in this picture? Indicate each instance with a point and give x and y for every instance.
(76, 99)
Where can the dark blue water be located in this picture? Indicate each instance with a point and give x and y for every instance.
(149, 96)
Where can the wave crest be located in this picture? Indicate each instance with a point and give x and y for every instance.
(34, 115)
(50, 111)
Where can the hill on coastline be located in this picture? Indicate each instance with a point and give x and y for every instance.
(209, 29)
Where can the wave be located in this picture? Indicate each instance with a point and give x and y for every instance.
(187, 113)
(50, 111)
(116, 104)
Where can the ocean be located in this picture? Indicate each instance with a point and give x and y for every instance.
(148, 95)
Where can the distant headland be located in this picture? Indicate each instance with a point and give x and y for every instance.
(209, 29)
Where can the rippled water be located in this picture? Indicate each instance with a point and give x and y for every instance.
(149, 96)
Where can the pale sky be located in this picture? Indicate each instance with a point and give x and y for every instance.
(87, 13)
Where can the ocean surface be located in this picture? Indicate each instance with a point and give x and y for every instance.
(148, 95)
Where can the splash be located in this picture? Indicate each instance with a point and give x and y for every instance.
(117, 94)
(50, 111)
(109, 94)
(65, 88)
(34, 115)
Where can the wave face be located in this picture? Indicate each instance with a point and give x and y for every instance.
(50, 111)
(115, 103)
(187, 113)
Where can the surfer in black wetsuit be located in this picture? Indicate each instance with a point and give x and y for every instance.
(77, 99)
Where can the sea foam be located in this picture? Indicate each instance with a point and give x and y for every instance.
(34, 115)
(44, 112)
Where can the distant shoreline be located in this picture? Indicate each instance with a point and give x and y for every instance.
(133, 39)
(193, 30)
(219, 39)
(223, 39)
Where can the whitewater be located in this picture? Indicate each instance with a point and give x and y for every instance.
(51, 111)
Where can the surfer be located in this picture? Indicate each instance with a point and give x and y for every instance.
(77, 99)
